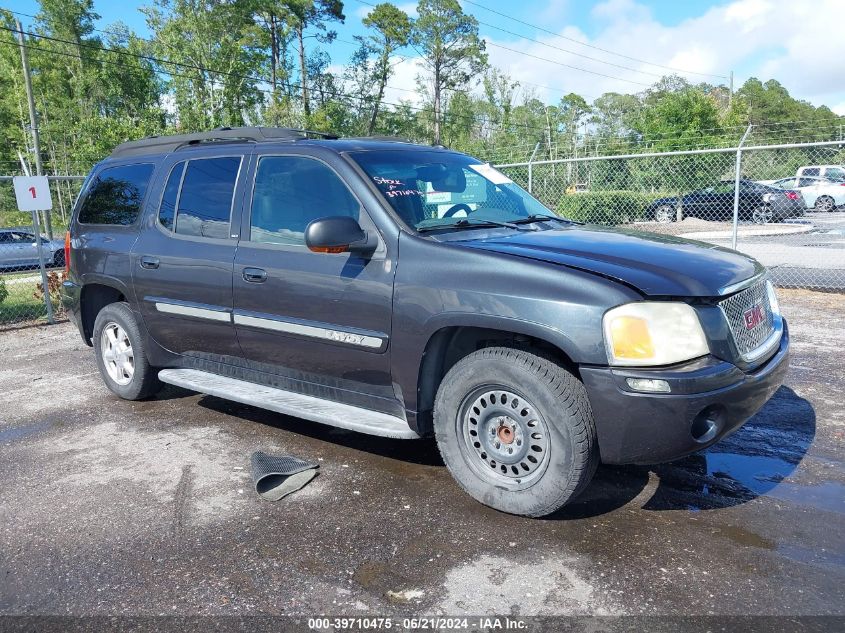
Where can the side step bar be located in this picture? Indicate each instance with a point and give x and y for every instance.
(298, 405)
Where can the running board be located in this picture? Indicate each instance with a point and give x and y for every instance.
(297, 405)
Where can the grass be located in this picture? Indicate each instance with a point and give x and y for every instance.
(20, 306)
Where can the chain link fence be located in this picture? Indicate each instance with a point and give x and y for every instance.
(782, 204)
(27, 261)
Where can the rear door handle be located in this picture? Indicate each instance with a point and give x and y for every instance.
(255, 275)
(150, 263)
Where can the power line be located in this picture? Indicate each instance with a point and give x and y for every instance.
(570, 66)
(335, 93)
(551, 61)
(598, 48)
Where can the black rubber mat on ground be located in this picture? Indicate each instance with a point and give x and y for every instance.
(276, 476)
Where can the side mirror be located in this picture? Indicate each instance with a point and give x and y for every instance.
(339, 234)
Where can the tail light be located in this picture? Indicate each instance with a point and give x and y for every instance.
(792, 195)
(67, 252)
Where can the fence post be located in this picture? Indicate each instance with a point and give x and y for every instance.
(36, 228)
(736, 186)
(530, 168)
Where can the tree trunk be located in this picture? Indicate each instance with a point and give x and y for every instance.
(274, 50)
(437, 104)
(303, 78)
(385, 60)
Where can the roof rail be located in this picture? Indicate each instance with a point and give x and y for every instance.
(377, 137)
(220, 134)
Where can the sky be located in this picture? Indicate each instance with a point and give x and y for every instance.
(563, 46)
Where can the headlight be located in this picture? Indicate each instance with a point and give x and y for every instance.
(653, 333)
(773, 298)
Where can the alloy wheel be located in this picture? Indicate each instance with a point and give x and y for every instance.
(116, 351)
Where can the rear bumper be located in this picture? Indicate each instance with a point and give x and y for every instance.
(782, 209)
(71, 295)
(709, 399)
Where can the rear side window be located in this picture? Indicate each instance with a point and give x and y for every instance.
(835, 173)
(205, 201)
(116, 194)
(811, 171)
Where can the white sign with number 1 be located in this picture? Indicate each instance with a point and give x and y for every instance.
(33, 193)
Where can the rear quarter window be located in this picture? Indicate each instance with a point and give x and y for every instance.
(116, 194)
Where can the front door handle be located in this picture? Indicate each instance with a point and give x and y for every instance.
(255, 275)
(150, 263)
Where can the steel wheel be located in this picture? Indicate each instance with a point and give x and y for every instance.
(825, 203)
(117, 354)
(505, 439)
(664, 213)
(761, 215)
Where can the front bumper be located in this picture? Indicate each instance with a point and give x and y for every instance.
(709, 399)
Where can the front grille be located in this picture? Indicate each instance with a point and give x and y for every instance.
(736, 308)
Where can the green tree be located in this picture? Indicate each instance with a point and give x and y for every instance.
(213, 75)
(314, 14)
(447, 40)
(392, 32)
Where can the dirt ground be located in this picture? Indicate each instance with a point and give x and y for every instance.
(146, 508)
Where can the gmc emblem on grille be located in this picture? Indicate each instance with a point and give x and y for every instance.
(753, 317)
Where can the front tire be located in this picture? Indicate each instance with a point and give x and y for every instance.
(121, 356)
(516, 431)
(665, 214)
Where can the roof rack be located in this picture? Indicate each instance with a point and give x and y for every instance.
(220, 134)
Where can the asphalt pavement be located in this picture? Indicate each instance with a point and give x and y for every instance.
(146, 508)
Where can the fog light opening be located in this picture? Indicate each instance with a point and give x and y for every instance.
(707, 424)
(650, 385)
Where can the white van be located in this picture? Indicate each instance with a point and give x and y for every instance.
(831, 172)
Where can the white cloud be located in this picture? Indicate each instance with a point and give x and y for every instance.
(409, 7)
(796, 43)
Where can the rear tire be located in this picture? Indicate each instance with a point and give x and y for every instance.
(121, 356)
(825, 203)
(516, 431)
(762, 215)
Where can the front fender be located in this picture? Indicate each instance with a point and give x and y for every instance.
(444, 285)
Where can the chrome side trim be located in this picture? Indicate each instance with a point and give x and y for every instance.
(200, 313)
(328, 334)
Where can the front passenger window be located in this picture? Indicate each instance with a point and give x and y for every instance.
(290, 192)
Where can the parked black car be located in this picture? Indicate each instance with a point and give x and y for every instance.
(407, 291)
(757, 202)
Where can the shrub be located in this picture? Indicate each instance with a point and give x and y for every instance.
(3, 292)
(54, 285)
(606, 207)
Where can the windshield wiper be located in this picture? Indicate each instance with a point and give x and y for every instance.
(539, 217)
(466, 223)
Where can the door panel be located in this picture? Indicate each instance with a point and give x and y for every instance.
(182, 261)
(320, 322)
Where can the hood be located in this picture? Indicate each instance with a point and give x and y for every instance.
(654, 264)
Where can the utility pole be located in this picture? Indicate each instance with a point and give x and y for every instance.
(33, 118)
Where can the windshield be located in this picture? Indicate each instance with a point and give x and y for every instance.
(439, 190)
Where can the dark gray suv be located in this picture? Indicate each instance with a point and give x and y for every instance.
(407, 291)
